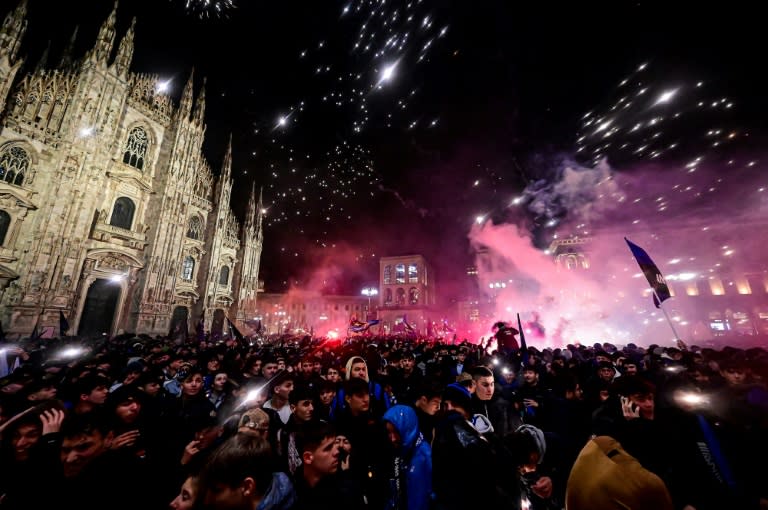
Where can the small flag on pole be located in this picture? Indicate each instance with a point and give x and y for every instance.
(652, 274)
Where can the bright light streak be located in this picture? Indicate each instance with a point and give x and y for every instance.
(665, 97)
(163, 86)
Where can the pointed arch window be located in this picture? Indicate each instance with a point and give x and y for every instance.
(5, 223)
(388, 297)
(14, 165)
(187, 268)
(195, 228)
(136, 148)
(122, 213)
(400, 296)
(224, 275)
(413, 296)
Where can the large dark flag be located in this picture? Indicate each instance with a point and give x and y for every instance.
(652, 273)
(63, 324)
(234, 331)
(523, 346)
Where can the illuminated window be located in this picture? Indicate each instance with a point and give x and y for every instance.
(387, 274)
(136, 148)
(741, 323)
(14, 164)
(400, 273)
(716, 285)
(413, 273)
(187, 268)
(195, 228)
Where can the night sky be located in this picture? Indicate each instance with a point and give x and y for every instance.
(362, 156)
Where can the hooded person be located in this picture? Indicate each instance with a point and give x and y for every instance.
(411, 480)
(490, 482)
(357, 367)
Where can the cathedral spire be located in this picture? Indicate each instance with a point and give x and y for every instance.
(199, 115)
(226, 166)
(125, 51)
(12, 31)
(250, 213)
(106, 38)
(68, 56)
(185, 105)
(260, 212)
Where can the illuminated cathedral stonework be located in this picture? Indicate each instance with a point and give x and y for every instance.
(109, 212)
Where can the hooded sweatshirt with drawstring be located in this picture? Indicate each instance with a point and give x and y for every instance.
(413, 462)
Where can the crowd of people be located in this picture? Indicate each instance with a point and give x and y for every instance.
(380, 423)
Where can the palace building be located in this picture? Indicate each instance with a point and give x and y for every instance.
(109, 211)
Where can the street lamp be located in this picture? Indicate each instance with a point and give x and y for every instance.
(369, 292)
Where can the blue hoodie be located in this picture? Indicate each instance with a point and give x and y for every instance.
(280, 495)
(416, 455)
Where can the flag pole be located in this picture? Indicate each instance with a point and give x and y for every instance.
(680, 343)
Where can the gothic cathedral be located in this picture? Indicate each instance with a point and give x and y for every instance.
(109, 212)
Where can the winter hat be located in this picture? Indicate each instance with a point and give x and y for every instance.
(255, 418)
(538, 436)
(301, 392)
(459, 395)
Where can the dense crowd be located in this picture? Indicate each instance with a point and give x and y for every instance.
(379, 423)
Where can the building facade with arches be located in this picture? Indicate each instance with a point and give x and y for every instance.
(406, 293)
(109, 211)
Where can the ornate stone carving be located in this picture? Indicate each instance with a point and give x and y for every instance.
(111, 262)
(13, 293)
(36, 280)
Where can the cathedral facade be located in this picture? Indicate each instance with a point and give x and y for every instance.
(109, 212)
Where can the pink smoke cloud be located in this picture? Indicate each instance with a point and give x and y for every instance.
(703, 227)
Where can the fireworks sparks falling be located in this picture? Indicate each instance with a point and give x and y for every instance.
(306, 191)
(364, 75)
(650, 119)
(387, 45)
(209, 8)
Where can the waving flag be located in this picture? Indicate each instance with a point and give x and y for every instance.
(363, 326)
(652, 273)
(234, 332)
(408, 327)
(355, 323)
